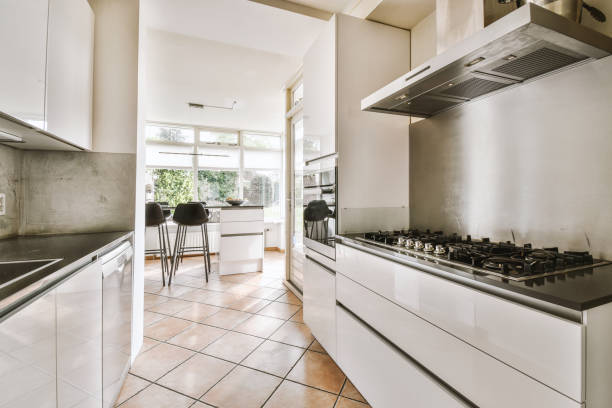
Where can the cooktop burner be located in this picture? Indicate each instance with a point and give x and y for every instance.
(501, 259)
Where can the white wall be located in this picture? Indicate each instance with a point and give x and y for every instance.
(423, 40)
(117, 122)
(115, 75)
(182, 69)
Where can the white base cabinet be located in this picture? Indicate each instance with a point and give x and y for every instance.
(241, 245)
(320, 303)
(383, 375)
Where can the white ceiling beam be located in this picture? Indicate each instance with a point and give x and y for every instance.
(296, 8)
(361, 8)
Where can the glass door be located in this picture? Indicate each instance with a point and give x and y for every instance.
(296, 250)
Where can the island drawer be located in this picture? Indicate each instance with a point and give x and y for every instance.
(242, 227)
(241, 214)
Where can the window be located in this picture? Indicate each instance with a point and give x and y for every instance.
(261, 141)
(297, 94)
(215, 186)
(158, 133)
(187, 163)
(171, 185)
(219, 137)
(262, 187)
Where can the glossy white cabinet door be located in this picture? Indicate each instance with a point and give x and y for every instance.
(384, 376)
(320, 94)
(70, 71)
(543, 346)
(79, 337)
(23, 30)
(27, 356)
(320, 304)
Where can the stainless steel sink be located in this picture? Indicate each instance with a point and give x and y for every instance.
(13, 271)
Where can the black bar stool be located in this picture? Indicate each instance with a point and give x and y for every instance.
(154, 217)
(190, 215)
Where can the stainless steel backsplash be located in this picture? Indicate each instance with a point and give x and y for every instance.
(533, 164)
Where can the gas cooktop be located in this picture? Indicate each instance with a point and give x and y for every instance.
(501, 259)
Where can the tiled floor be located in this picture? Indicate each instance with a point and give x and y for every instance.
(237, 342)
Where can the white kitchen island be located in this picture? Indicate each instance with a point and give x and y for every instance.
(241, 245)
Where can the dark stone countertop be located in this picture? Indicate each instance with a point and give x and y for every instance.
(75, 251)
(236, 207)
(578, 291)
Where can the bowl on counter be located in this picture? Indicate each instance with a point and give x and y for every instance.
(234, 202)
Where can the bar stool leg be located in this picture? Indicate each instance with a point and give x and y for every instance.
(162, 255)
(179, 231)
(168, 246)
(183, 244)
(207, 250)
(204, 253)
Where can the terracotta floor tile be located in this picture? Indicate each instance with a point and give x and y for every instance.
(148, 344)
(316, 346)
(350, 391)
(249, 304)
(197, 295)
(170, 307)
(238, 277)
(150, 318)
(227, 318)
(217, 285)
(154, 363)
(349, 403)
(294, 395)
(241, 289)
(296, 334)
(290, 298)
(298, 317)
(197, 312)
(268, 293)
(197, 375)
(279, 310)
(175, 291)
(242, 388)
(197, 336)
(187, 280)
(166, 328)
(131, 387)
(152, 300)
(318, 370)
(158, 397)
(261, 326)
(199, 404)
(233, 346)
(221, 299)
(274, 358)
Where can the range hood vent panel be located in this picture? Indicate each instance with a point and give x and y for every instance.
(526, 44)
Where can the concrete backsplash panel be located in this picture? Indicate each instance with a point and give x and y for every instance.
(532, 164)
(72, 192)
(10, 185)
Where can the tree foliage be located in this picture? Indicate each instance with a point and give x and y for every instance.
(173, 186)
(217, 185)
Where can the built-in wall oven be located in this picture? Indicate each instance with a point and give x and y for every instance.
(320, 192)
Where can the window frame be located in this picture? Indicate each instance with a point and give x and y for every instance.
(199, 147)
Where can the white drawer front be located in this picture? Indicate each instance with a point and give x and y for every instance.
(384, 376)
(481, 378)
(242, 227)
(242, 214)
(320, 304)
(543, 346)
(241, 248)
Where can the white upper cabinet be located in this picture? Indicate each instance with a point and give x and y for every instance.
(70, 71)
(319, 78)
(23, 30)
(46, 74)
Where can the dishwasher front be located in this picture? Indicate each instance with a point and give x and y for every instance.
(116, 319)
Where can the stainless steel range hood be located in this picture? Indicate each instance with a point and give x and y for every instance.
(526, 44)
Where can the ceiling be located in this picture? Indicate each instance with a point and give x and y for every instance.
(237, 22)
(333, 6)
(402, 13)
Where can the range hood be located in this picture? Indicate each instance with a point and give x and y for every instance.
(528, 43)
